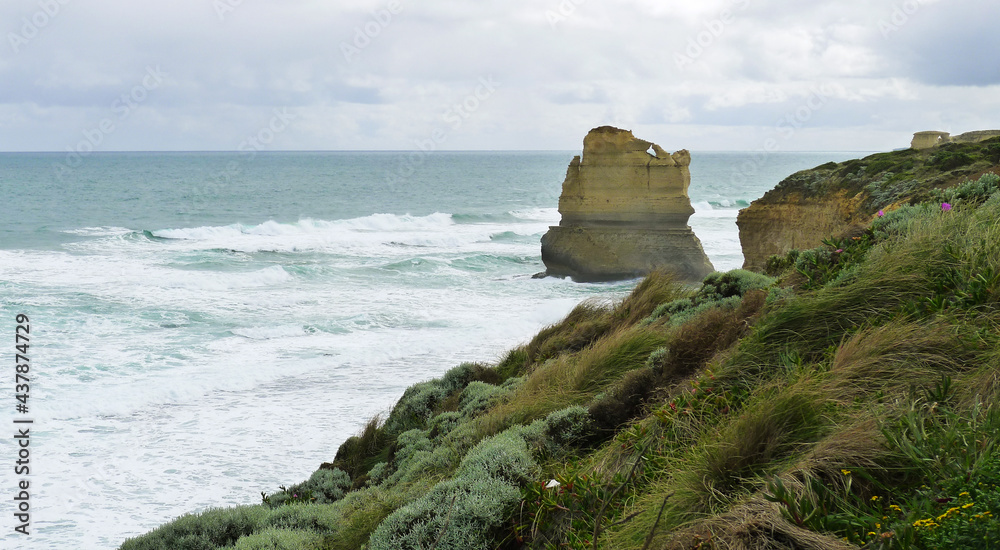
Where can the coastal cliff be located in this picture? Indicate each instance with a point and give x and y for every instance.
(721, 416)
(625, 209)
(837, 199)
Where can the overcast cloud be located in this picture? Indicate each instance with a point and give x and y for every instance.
(493, 74)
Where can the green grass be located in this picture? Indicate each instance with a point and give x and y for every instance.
(846, 401)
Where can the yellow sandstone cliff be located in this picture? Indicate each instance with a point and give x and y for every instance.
(839, 199)
(625, 208)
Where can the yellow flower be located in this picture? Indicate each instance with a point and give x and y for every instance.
(969, 505)
(963, 494)
(895, 507)
(875, 498)
(871, 533)
(878, 525)
(845, 472)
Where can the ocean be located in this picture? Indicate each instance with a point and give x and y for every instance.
(208, 326)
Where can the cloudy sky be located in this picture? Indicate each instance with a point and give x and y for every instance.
(493, 74)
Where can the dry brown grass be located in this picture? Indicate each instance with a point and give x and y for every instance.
(754, 525)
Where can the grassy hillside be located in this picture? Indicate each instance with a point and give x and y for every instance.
(846, 401)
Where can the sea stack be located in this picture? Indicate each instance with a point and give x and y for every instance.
(625, 211)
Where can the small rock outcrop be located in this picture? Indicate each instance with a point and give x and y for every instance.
(625, 209)
(930, 139)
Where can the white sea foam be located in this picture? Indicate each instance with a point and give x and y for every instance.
(270, 332)
(98, 231)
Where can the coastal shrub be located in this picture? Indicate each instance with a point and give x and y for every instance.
(970, 192)
(559, 434)
(465, 511)
(323, 486)
(348, 523)
(717, 290)
(442, 424)
(950, 160)
(815, 265)
(414, 408)
(208, 530)
(656, 359)
(672, 308)
(736, 282)
(377, 473)
(777, 264)
(419, 401)
(478, 396)
(413, 448)
(992, 153)
(568, 427)
(891, 188)
(280, 539)
(317, 518)
(879, 165)
(897, 223)
(684, 315)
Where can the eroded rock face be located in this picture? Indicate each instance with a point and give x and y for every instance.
(625, 208)
(838, 200)
(794, 221)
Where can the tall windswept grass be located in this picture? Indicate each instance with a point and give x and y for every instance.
(575, 379)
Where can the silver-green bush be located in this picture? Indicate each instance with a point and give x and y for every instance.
(463, 512)
(280, 539)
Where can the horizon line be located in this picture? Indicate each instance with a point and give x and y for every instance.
(271, 151)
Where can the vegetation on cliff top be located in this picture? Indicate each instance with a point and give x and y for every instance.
(847, 401)
(905, 176)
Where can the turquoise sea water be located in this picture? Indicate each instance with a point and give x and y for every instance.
(207, 326)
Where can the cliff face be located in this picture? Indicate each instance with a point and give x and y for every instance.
(625, 208)
(832, 199)
(794, 222)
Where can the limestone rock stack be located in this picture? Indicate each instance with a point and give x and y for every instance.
(625, 209)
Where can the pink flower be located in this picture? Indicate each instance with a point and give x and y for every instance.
(945, 206)
(839, 250)
(881, 213)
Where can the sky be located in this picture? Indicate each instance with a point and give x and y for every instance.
(843, 75)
